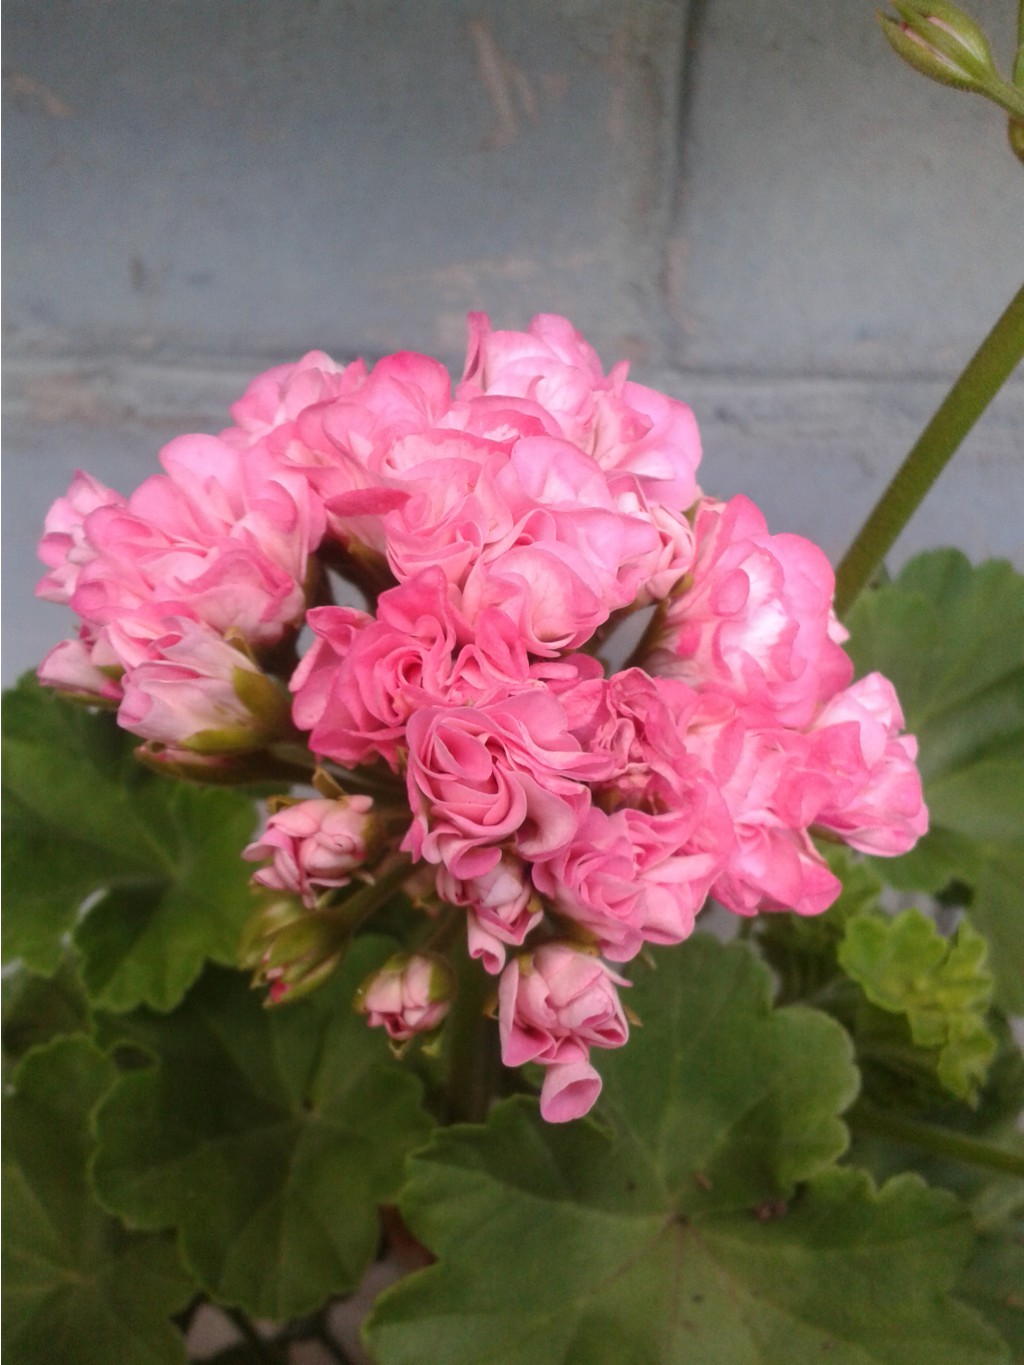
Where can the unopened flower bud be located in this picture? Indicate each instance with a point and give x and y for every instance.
(316, 844)
(201, 694)
(291, 949)
(942, 42)
(410, 994)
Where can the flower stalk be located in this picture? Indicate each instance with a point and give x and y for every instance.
(985, 373)
(936, 1141)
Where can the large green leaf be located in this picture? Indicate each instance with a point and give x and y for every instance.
(156, 862)
(268, 1138)
(682, 1231)
(78, 1288)
(951, 637)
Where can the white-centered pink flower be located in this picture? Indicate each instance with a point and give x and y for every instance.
(482, 777)
(874, 800)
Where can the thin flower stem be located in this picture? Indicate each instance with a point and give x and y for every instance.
(357, 907)
(262, 1349)
(986, 372)
(322, 1334)
(927, 1137)
(472, 1044)
(650, 637)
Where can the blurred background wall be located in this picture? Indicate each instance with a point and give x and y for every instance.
(753, 200)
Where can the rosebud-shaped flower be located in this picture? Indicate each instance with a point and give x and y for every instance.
(553, 1006)
(503, 908)
(72, 668)
(754, 619)
(314, 845)
(410, 994)
(200, 693)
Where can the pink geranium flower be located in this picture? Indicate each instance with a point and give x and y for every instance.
(498, 537)
(755, 620)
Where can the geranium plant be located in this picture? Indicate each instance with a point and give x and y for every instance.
(410, 731)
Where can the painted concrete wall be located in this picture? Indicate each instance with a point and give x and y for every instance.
(752, 199)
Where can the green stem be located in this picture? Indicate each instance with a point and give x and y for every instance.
(387, 878)
(322, 1334)
(472, 1044)
(986, 372)
(652, 634)
(945, 1142)
(262, 1349)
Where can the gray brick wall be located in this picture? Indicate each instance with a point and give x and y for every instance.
(754, 201)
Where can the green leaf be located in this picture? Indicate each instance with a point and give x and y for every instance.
(951, 638)
(268, 1138)
(994, 1283)
(802, 949)
(941, 986)
(158, 861)
(997, 908)
(78, 1288)
(680, 1233)
(37, 1009)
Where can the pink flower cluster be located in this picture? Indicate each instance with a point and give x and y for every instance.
(571, 811)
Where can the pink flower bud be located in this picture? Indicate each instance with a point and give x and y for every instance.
(200, 693)
(553, 1006)
(410, 994)
(314, 845)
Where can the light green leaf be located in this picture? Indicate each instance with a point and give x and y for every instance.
(268, 1138)
(158, 860)
(78, 1288)
(942, 987)
(951, 638)
(680, 1234)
